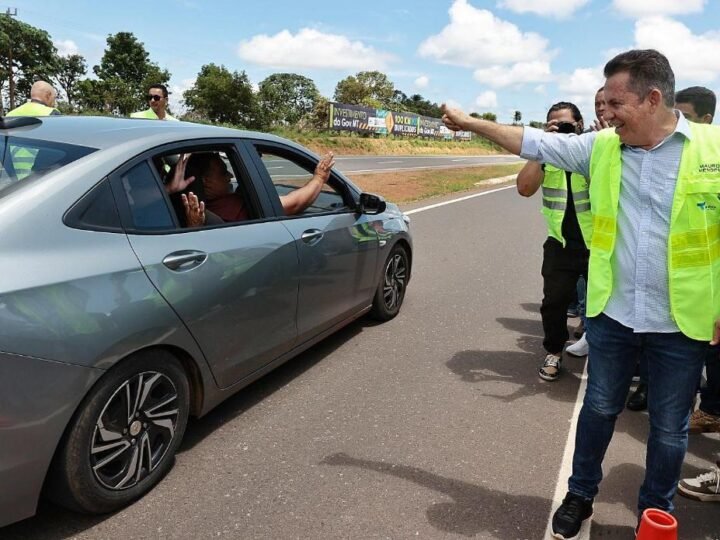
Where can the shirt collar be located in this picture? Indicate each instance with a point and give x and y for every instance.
(683, 126)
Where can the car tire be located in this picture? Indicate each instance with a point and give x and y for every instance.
(390, 292)
(123, 437)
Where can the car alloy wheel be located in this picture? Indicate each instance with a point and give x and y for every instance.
(395, 280)
(134, 431)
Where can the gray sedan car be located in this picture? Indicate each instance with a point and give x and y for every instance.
(117, 321)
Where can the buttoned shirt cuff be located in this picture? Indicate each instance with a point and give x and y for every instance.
(530, 148)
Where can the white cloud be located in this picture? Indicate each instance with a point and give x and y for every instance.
(311, 49)
(546, 8)
(66, 47)
(487, 100)
(422, 81)
(522, 72)
(692, 57)
(642, 8)
(175, 100)
(580, 86)
(540, 89)
(476, 38)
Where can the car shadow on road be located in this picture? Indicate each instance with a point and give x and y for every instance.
(247, 398)
(474, 510)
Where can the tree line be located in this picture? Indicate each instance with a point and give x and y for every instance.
(119, 83)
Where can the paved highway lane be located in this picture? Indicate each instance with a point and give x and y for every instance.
(434, 425)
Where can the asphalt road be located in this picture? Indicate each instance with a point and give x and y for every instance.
(433, 425)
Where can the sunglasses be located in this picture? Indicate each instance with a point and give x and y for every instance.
(154, 97)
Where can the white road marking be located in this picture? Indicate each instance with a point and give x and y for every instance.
(461, 159)
(445, 203)
(566, 464)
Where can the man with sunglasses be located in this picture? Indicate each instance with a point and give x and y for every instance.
(157, 98)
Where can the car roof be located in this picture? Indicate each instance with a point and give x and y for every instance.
(105, 132)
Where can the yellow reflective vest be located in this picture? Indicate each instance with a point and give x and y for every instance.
(555, 198)
(149, 114)
(24, 158)
(33, 108)
(693, 250)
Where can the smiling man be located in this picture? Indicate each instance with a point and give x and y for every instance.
(158, 99)
(654, 266)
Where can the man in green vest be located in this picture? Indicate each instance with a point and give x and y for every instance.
(157, 97)
(42, 102)
(566, 208)
(654, 271)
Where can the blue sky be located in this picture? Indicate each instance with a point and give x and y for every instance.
(483, 55)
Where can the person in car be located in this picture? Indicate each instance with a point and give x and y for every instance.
(230, 206)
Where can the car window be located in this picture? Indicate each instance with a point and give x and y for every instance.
(148, 208)
(29, 159)
(218, 182)
(289, 173)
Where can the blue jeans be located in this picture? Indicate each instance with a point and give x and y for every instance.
(674, 367)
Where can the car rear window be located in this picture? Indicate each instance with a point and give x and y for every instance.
(25, 160)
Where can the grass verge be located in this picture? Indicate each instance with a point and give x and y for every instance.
(407, 186)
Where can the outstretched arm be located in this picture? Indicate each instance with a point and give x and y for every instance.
(509, 137)
(298, 200)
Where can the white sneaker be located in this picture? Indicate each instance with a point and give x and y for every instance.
(580, 348)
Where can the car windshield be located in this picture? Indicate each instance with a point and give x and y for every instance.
(24, 160)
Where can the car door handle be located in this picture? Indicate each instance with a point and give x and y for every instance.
(184, 260)
(312, 236)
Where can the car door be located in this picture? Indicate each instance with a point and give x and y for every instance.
(234, 285)
(337, 246)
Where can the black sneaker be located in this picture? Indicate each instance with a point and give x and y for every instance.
(568, 519)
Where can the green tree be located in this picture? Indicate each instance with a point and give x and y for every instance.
(536, 124)
(369, 88)
(492, 117)
(221, 96)
(70, 69)
(26, 54)
(123, 76)
(517, 117)
(286, 97)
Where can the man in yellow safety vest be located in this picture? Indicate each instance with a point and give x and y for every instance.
(654, 271)
(157, 97)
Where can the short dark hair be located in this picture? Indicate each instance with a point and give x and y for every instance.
(601, 89)
(160, 87)
(566, 105)
(702, 99)
(648, 69)
(198, 164)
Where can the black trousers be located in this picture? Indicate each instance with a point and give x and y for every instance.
(560, 271)
(710, 395)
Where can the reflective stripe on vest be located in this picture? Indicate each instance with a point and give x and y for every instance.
(554, 191)
(23, 159)
(32, 109)
(694, 238)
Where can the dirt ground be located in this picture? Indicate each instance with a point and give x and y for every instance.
(409, 186)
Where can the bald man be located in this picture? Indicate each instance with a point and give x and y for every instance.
(42, 102)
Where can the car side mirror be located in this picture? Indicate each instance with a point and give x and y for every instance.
(371, 204)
